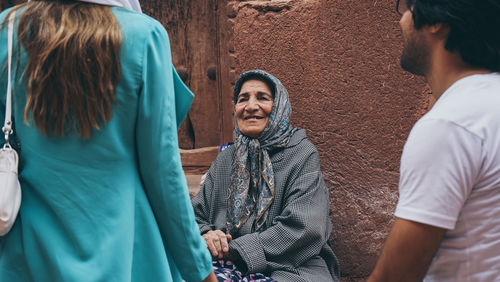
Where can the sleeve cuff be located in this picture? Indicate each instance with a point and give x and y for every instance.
(204, 228)
(202, 272)
(251, 251)
(425, 217)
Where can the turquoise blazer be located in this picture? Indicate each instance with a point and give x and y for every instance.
(114, 207)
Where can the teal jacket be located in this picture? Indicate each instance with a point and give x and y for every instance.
(114, 207)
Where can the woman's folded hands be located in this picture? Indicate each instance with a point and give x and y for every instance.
(218, 244)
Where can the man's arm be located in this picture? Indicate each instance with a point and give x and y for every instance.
(408, 252)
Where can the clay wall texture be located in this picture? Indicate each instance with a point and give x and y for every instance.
(339, 60)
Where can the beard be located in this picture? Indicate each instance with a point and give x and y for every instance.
(416, 55)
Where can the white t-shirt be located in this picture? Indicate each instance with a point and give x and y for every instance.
(450, 178)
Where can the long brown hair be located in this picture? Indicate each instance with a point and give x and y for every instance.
(73, 65)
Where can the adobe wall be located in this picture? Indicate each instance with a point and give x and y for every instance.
(339, 60)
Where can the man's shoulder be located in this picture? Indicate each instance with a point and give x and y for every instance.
(471, 103)
(478, 93)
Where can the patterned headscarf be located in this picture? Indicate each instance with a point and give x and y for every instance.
(252, 184)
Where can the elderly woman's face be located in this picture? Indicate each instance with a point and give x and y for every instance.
(253, 107)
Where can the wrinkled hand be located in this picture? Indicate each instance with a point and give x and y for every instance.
(217, 243)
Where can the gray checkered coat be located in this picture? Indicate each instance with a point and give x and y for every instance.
(294, 245)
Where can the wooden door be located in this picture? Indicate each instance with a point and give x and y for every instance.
(197, 34)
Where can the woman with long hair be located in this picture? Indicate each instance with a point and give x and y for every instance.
(96, 107)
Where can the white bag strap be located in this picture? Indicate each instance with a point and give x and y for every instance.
(7, 126)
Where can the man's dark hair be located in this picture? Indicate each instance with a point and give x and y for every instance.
(474, 27)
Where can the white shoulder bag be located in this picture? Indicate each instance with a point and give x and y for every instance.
(10, 189)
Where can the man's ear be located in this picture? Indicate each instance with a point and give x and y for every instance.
(439, 30)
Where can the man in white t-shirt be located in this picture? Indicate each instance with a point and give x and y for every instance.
(447, 225)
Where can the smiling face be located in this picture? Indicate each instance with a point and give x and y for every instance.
(253, 107)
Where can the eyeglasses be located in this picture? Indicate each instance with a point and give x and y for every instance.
(403, 6)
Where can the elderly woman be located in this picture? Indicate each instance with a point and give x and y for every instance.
(263, 208)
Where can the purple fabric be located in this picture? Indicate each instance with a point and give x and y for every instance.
(226, 271)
